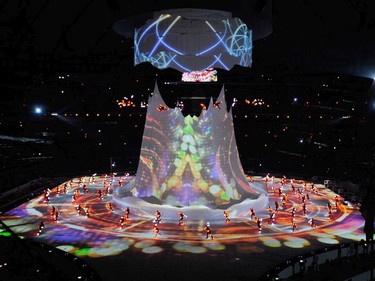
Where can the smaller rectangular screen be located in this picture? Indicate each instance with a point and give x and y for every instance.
(208, 75)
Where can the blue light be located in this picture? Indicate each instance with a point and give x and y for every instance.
(38, 110)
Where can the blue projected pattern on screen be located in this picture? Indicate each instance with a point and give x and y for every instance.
(193, 40)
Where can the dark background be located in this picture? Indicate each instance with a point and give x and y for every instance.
(66, 58)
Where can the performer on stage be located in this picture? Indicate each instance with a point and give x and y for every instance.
(267, 178)
(337, 201)
(109, 207)
(56, 218)
(181, 216)
(280, 191)
(74, 197)
(88, 211)
(313, 223)
(107, 190)
(330, 210)
(46, 194)
(314, 189)
(271, 217)
(121, 222)
(100, 194)
(40, 227)
(208, 231)
(277, 206)
(127, 213)
(294, 226)
(226, 215)
(253, 215)
(157, 217)
(156, 230)
(53, 210)
(79, 209)
(259, 223)
(283, 202)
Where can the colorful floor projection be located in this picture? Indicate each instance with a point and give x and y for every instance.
(81, 217)
(189, 208)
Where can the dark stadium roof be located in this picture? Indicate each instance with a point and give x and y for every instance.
(309, 36)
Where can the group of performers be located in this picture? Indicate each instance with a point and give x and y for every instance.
(281, 202)
(301, 201)
(158, 220)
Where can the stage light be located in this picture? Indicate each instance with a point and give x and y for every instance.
(38, 110)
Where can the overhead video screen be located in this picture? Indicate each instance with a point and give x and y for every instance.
(193, 40)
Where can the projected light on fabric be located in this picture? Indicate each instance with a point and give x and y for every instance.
(193, 40)
(190, 160)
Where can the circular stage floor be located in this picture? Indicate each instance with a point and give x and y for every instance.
(239, 250)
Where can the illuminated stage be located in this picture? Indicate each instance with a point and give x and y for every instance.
(238, 251)
(187, 164)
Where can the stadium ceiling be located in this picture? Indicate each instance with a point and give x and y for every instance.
(310, 36)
